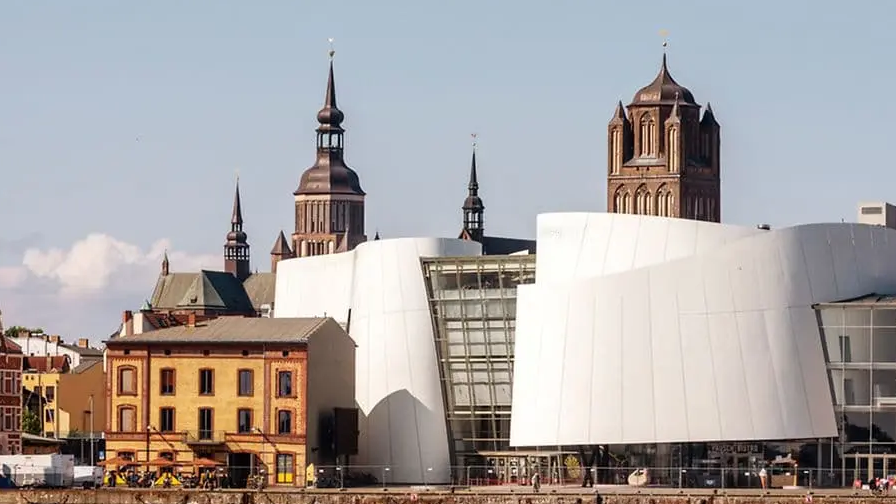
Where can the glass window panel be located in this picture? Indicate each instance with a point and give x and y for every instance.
(832, 317)
(473, 309)
(855, 344)
(501, 376)
(883, 428)
(495, 308)
(857, 317)
(510, 307)
(469, 280)
(476, 335)
(480, 377)
(451, 310)
(852, 387)
(479, 366)
(883, 344)
(884, 388)
(457, 350)
(456, 337)
(461, 395)
(857, 427)
(476, 351)
(830, 338)
(500, 350)
(490, 280)
(884, 317)
(445, 281)
(482, 394)
(502, 394)
(459, 377)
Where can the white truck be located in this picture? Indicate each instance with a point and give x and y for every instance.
(38, 471)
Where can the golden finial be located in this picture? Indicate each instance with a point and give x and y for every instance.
(332, 51)
(474, 135)
(665, 34)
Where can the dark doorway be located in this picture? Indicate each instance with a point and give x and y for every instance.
(240, 466)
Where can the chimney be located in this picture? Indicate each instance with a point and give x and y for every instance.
(54, 338)
(127, 319)
(24, 334)
(83, 343)
(191, 319)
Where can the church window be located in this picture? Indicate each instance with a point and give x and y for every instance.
(615, 151)
(642, 201)
(673, 150)
(626, 203)
(617, 202)
(648, 136)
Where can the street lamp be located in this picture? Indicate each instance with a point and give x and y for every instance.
(341, 477)
(385, 470)
(260, 433)
(148, 428)
(92, 456)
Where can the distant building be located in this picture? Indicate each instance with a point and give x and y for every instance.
(663, 157)
(474, 222)
(10, 396)
(69, 398)
(52, 345)
(248, 393)
(877, 214)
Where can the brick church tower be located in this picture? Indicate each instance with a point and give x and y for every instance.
(663, 157)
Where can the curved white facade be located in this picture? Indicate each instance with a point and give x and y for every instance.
(379, 289)
(647, 329)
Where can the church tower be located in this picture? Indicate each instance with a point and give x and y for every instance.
(473, 208)
(329, 199)
(663, 158)
(236, 249)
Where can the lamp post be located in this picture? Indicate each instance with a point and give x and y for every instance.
(260, 433)
(425, 479)
(341, 477)
(148, 428)
(92, 456)
(385, 470)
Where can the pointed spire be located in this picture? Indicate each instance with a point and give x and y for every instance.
(619, 114)
(709, 118)
(237, 217)
(376, 236)
(473, 186)
(330, 117)
(165, 264)
(281, 246)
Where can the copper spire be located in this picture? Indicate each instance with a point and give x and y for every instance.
(237, 217)
(473, 186)
(330, 117)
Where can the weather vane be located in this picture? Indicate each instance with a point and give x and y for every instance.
(332, 51)
(665, 34)
(474, 135)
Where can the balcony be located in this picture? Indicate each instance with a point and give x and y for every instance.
(205, 437)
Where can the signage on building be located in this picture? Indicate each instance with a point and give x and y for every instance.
(735, 449)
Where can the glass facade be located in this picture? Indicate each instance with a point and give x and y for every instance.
(473, 305)
(859, 341)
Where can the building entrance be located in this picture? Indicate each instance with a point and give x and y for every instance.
(869, 466)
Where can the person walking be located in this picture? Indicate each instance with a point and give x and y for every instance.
(763, 478)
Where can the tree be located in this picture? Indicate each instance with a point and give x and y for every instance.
(30, 422)
(12, 332)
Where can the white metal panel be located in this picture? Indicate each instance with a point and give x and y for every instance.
(734, 301)
(397, 379)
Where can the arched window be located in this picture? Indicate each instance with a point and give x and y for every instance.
(648, 136)
(127, 419)
(659, 203)
(615, 151)
(673, 149)
(642, 201)
(669, 203)
(127, 380)
(617, 202)
(626, 203)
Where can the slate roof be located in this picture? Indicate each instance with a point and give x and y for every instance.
(85, 365)
(233, 330)
(84, 352)
(213, 290)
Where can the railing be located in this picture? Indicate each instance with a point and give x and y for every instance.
(207, 436)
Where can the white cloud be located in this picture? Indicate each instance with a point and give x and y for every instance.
(81, 291)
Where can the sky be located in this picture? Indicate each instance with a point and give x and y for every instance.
(123, 124)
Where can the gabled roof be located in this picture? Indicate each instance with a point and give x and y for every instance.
(216, 290)
(233, 330)
(44, 364)
(260, 289)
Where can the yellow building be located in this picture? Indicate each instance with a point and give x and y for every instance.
(68, 401)
(239, 391)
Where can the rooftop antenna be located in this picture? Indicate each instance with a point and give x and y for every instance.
(331, 52)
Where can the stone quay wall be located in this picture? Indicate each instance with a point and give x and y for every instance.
(131, 496)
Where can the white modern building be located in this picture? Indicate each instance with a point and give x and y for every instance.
(637, 330)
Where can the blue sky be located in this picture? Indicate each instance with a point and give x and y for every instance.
(128, 120)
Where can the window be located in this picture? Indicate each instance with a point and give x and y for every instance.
(285, 468)
(845, 349)
(166, 382)
(284, 384)
(166, 419)
(127, 380)
(127, 419)
(206, 423)
(206, 382)
(284, 422)
(246, 382)
(51, 393)
(244, 421)
(50, 415)
(8, 419)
